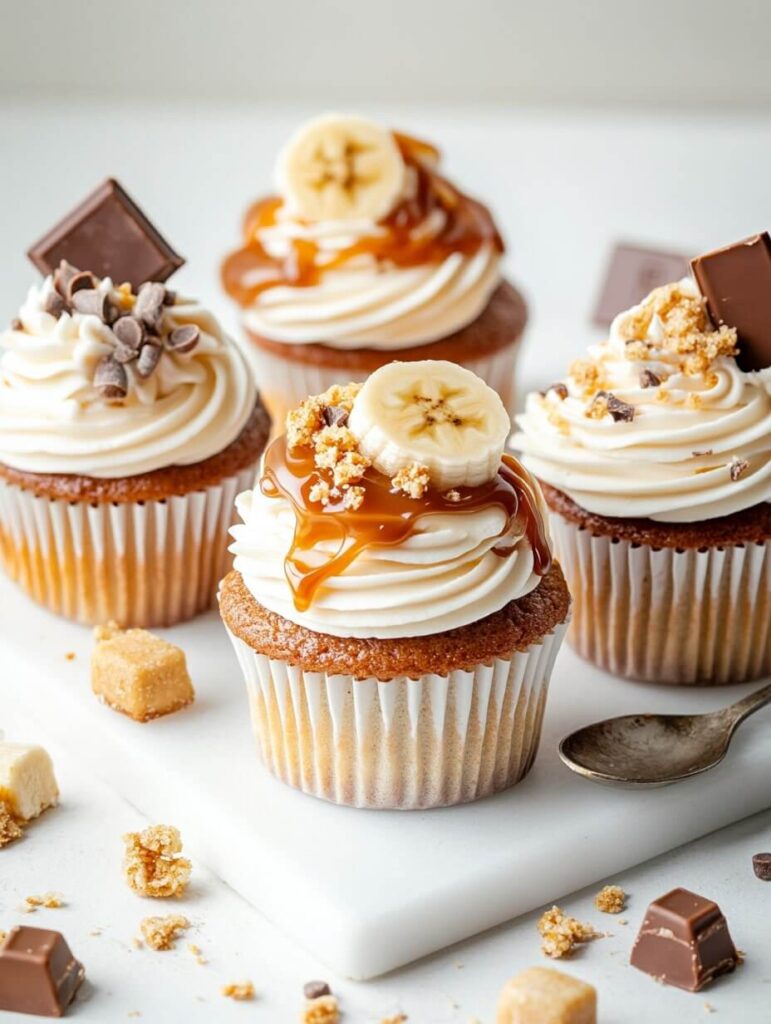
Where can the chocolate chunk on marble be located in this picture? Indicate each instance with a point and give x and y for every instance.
(684, 941)
(736, 282)
(110, 236)
(633, 272)
(38, 973)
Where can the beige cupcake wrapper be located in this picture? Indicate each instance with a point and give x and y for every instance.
(149, 563)
(405, 743)
(284, 383)
(665, 615)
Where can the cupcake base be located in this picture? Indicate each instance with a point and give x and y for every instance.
(668, 602)
(334, 727)
(489, 347)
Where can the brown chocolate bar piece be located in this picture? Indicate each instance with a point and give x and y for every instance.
(632, 273)
(108, 235)
(684, 941)
(38, 973)
(736, 282)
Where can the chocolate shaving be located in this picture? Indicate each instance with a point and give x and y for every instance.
(761, 865)
(91, 301)
(738, 468)
(62, 276)
(55, 304)
(149, 304)
(184, 339)
(111, 379)
(169, 297)
(82, 279)
(130, 332)
(621, 412)
(648, 379)
(559, 389)
(316, 989)
(149, 355)
(335, 415)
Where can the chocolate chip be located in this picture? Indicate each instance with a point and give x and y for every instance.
(558, 388)
(84, 279)
(149, 355)
(92, 302)
(62, 276)
(335, 415)
(738, 468)
(130, 332)
(648, 379)
(761, 865)
(316, 989)
(169, 297)
(16, 324)
(123, 354)
(149, 304)
(110, 378)
(621, 412)
(55, 304)
(184, 339)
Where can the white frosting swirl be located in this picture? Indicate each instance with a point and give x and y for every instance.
(53, 419)
(444, 575)
(698, 447)
(366, 302)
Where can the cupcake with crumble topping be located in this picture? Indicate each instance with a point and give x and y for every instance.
(654, 454)
(369, 254)
(129, 421)
(393, 605)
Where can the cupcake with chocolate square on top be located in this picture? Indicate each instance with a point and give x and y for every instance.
(369, 254)
(128, 423)
(393, 604)
(654, 454)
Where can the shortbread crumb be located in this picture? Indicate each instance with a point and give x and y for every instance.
(354, 498)
(413, 479)
(241, 991)
(588, 376)
(398, 1018)
(49, 900)
(561, 934)
(319, 411)
(10, 829)
(319, 492)
(151, 864)
(611, 899)
(324, 1010)
(160, 932)
(195, 951)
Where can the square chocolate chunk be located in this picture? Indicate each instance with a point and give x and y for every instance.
(38, 973)
(632, 273)
(108, 235)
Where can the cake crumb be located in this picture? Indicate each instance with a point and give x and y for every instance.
(397, 1018)
(709, 1008)
(611, 899)
(354, 498)
(561, 934)
(412, 479)
(241, 991)
(70, 655)
(195, 951)
(588, 375)
(160, 933)
(151, 864)
(319, 492)
(10, 830)
(318, 411)
(49, 900)
(324, 1010)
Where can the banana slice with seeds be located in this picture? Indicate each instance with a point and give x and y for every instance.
(342, 168)
(432, 412)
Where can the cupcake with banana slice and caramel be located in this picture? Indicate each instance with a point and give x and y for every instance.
(369, 254)
(393, 605)
(654, 453)
(129, 421)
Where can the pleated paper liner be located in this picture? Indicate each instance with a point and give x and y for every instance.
(667, 615)
(151, 563)
(404, 743)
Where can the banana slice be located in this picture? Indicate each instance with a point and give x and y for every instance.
(341, 168)
(432, 412)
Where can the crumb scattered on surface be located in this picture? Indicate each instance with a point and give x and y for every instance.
(160, 933)
(324, 1010)
(195, 951)
(397, 1018)
(741, 956)
(70, 655)
(412, 479)
(152, 865)
(10, 829)
(241, 991)
(561, 934)
(49, 900)
(709, 1008)
(611, 899)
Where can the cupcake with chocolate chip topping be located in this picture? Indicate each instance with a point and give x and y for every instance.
(128, 423)
(368, 254)
(654, 454)
(393, 604)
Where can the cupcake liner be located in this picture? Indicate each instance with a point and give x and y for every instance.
(403, 743)
(285, 382)
(667, 615)
(150, 563)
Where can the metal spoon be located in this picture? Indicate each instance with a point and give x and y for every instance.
(655, 750)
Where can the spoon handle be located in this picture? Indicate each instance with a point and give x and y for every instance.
(753, 702)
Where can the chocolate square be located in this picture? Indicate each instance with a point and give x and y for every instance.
(736, 282)
(110, 236)
(633, 272)
(38, 973)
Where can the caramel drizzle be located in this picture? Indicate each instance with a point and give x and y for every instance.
(386, 517)
(468, 226)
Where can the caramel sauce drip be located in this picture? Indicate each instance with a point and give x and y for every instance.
(386, 517)
(468, 226)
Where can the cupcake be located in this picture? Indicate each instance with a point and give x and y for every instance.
(368, 254)
(654, 454)
(128, 423)
(393, 605)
